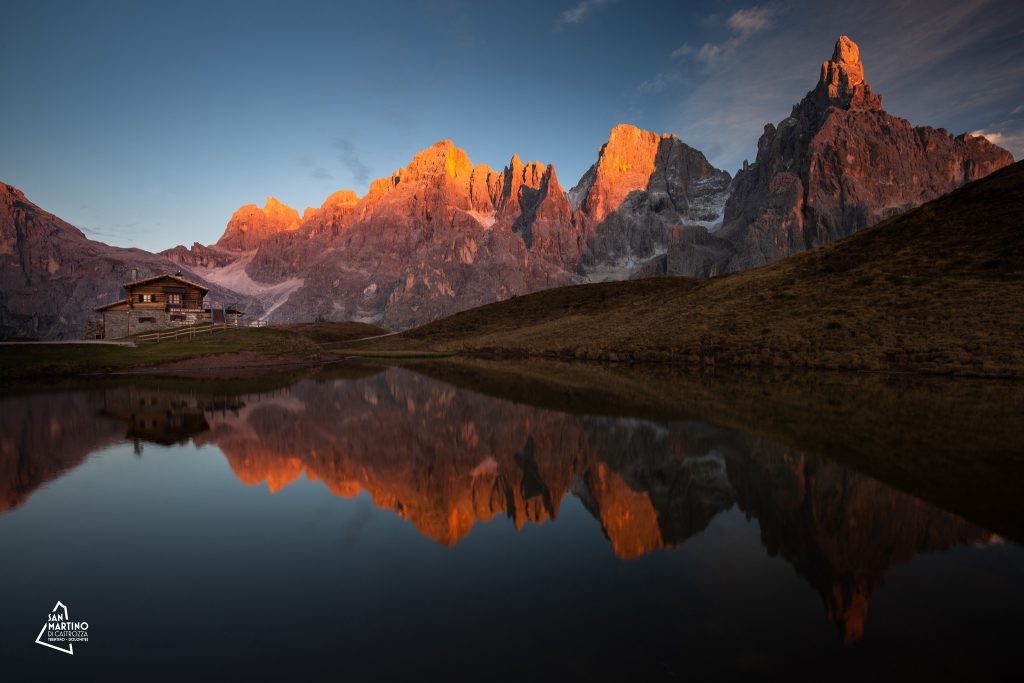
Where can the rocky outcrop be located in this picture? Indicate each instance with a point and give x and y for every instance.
(52, 276)
(646, 193)
(839, 164)
(250, 225)
(199, 256)
(332, 216)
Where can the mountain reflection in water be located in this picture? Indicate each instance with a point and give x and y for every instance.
(446, 458)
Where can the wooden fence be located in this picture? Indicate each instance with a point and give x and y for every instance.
(183, 333)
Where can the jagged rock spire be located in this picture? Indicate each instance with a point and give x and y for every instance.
(842, 80)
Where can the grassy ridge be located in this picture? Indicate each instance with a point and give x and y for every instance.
(936, 290)
(286, 344)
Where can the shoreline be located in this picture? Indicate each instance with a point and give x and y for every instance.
(225, 365)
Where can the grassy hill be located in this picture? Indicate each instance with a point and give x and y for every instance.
(936, 290)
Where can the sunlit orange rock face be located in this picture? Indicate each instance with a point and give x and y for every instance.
(439, 235)
(250, 225)
(443, 234)
(624, 164)
(332, 215)
(645, 193)
(842, 83)
(839, 164)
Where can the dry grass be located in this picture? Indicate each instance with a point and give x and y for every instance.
(30, 360)
(292, 343)
(333, 332)
(937, 290)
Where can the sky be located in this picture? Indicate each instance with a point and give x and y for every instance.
(148, 123)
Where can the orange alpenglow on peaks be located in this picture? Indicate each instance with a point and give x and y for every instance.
(250, 225)
(842, 79)
(442, 158)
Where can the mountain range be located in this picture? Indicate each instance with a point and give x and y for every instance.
(444, 234)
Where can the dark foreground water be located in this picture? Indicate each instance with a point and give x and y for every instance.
(379, 524)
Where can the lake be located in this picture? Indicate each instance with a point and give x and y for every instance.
(515, 521)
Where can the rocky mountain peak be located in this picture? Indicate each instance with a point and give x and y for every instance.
(10, 191)
(332, 215)
(340, 198)
(624, 164)
(22, 221)
(846, 51)
(839, 164)
(515, 177)
(250, 224)
(841, 82)
(440, 162)
(442, 158)
(272, 204)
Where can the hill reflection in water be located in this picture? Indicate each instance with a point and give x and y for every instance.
(446, 457)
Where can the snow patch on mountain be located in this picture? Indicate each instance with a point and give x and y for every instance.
(621, 268)
(577, 194)
(707, 207)
(235, 278)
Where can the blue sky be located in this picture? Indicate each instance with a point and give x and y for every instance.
(148, 123)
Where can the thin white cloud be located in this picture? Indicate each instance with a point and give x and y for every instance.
(743, 24)
(1018, 110)
(1010, 140)
(709, 53)
(684, 50)
(993, 137)
(348, 156)
(747, 22)
(660, 82)
(578, 12)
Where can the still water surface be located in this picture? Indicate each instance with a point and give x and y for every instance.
(379, 524)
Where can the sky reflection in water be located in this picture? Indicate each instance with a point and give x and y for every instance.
(386, 523)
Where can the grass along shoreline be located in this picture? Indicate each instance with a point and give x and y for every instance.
(235, 348)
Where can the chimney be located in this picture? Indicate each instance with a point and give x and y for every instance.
(135, 274)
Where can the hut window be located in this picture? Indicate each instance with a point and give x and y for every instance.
(147, 320)
(174, 298)
(145, 298)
